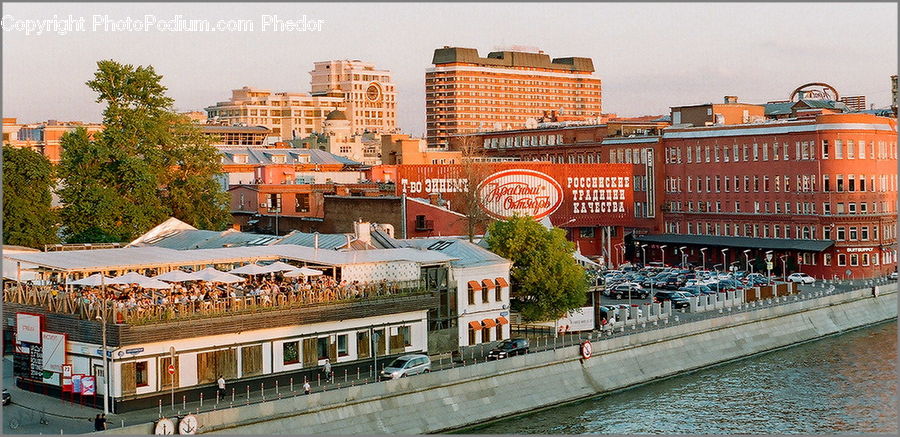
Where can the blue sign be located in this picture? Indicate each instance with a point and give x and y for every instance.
(108, 353)
(505, 313)
(134, 351)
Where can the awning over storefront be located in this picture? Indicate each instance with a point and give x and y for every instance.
(502, 320)
(475, 324)
(489, 284)
(738, 242)
(488, 323)
(474, 285)
(502, 283)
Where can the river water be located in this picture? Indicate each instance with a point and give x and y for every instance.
(840, 384)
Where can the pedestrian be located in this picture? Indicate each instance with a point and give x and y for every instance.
(327, 369)
(221, 391)
(102, 425)
(96, 421)
(306, 387)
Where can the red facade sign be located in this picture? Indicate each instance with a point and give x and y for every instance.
(585, 195)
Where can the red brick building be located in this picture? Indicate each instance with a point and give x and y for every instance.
(820, 192)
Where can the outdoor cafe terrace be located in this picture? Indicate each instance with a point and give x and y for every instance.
(211, 282)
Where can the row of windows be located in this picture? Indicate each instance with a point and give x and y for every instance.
(766, 230)
(803, 150)
(519, 141)
(763, 207)
(802, 184)
(485, 294)
(568, 83)
(855, 259)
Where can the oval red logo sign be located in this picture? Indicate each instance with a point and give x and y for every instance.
(520, 192)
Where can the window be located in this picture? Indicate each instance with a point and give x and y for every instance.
(838, 149)
(587, 232)
(840, 208)
(765, 151)
(853, 233)
(841, 233)
(851, 208)
(141, 377)
(471, 300)
(746, 153)
(851, 151)
(842, 259)
(498, 292)
(851, 183)
(862, 149)
(826, 259)
(755, 184)
(290, 352)
(840, 183)
(824, 149)
(865, 259)
(826, 208)
(755, 152)
(854, 259)
(775, 155)
(776, 231)
(826, 183)
(472, 336)
(862, 183)
(302, 202)
(342, 345)
(718, 183)
(405, 336)
(689, 155)
(864, 233)
(734, 149)
(322, 345)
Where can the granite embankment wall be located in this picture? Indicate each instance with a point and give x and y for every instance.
(464, 396)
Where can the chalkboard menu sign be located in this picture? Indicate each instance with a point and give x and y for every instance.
(37, 362)
(22, 365)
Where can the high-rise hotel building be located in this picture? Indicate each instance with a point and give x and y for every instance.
(369, 93)
(466, 93)
(365, 94)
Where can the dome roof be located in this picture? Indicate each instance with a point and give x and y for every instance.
(336, 115)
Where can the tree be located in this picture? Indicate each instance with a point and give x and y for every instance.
(148, 163)
(28, 217)
(547, 279)
(474, 172)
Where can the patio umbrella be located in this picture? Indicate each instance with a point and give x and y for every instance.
(303, 271)
(250, 269)
(279, 267)
(154, 284)
(92, 281)
(175, 276)
(210, 274)
(130, 278)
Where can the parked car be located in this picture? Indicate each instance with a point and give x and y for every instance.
(625, 290)
(674, 282)
(893, 276)
(755, 279)
(679, 299)
(801, 278)
(509, 348)
(7, 398)
(406, 365)
(697, 290)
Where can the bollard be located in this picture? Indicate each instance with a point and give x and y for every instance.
(232, 395)
(370, 371)
(357, 372)
(248, 395)
(201, 398)
(123, 425)
(345, 376)
(160, 409)
(276, 388)
(184, 402)
(262, 390)
(318, 380)
(292, 384)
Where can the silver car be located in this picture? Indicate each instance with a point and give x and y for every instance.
(406, 365)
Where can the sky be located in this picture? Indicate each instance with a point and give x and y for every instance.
(649, 56)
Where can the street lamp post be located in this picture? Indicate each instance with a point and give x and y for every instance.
(747, 264)
(102, 319)
(683, 256)
(768, 265)
(724, 259)
(644, 253)
(703, 254)
(662, 251)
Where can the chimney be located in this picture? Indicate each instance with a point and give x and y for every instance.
(731, 99)
(236, 226)
(348, 241)
(316, 240)
(363, 231)
(433, 198)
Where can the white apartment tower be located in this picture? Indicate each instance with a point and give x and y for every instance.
(369, 93)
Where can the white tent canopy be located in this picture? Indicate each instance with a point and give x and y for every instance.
(94, 280)
(154, 284)
(130, 278)
(210, 274)
(279, 266)
(249, 269)
(175, 276)
(303, 271)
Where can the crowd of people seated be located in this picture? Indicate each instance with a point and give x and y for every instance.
(259, 289)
